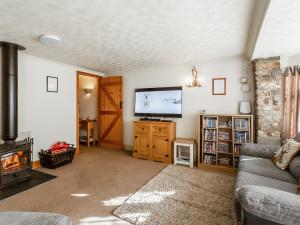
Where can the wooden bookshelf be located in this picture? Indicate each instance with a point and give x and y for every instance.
(220, 138)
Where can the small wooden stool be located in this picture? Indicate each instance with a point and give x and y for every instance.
(181, 157)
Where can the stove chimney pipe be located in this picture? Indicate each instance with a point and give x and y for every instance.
(9, 87)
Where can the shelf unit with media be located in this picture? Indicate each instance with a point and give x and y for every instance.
(220, 138)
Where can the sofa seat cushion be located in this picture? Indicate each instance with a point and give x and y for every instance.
(264, 167)
(33, 218)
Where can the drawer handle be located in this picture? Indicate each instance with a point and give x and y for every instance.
(167, 139)
(135, 151)
(167, 156)
(142, 128)
(135, 136)
(153, 146)
(147, 145)
(159, 129)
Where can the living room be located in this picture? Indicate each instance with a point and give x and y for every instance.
(153, 112)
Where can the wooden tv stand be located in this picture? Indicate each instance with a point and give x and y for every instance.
(153, 140)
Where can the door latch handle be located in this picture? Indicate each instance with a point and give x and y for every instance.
(121, 105)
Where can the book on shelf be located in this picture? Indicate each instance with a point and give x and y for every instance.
(242, 123)
(225, 161)
(225, 124)
(241, 136)
(210, 123)
(209, 147)
(210, 135)
(209, 159)
(224, 135)
(223, 147)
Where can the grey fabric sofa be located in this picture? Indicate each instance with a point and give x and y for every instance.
(264, 194)
(33, 218)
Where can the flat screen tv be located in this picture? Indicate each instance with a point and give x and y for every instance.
(158, 102)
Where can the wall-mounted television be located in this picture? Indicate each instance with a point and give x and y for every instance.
(158, 102)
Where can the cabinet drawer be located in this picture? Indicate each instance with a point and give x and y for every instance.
(161, 130)
(142, 129)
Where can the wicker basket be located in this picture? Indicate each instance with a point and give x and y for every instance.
(53, 161)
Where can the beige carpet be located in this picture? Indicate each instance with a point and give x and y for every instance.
(89, 189)
(181, 196)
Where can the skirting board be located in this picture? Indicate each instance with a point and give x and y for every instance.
(36, 164)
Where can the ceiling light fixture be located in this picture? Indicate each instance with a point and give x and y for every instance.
(195, 82)
(49, 40)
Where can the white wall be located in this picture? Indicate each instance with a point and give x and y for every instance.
(49, 117)
(88, 103)
(289, 60)
(194, 99)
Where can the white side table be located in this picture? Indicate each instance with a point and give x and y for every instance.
(185, 151)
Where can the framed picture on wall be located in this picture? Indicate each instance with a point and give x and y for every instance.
(52, 84)
(219, 86)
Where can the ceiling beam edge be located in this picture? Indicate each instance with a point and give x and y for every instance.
(259, 14)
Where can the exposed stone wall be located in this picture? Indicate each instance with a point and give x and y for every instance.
(267, 79)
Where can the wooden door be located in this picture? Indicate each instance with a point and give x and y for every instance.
(111, 112)
(160, 148)
(142, 145)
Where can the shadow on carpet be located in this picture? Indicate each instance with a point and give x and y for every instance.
(180, 195)
(36, 179)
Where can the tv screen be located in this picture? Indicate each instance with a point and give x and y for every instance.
(158, 102)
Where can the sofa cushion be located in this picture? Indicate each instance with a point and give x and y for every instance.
(33, 218)
(286, 153)
(264, 167)
(259, 150)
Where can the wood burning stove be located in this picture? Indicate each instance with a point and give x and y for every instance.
(15, 157)
(15, 162)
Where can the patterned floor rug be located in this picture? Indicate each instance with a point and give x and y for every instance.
(180, 195)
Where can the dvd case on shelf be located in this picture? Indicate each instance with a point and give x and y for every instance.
(210, 135)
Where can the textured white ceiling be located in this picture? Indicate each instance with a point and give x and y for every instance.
(280, 32)
(116, 35)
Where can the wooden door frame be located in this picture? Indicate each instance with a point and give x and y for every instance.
(81, 73)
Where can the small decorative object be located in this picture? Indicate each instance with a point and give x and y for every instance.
(219, 86)
(243, 79)
(88, 90)
(52, 84)
(202, 111)
(195, 82)
(245, 107)
(245, 88)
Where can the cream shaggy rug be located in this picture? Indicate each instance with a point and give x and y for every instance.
(183, 196)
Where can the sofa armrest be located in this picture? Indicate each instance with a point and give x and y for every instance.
(259, 150)
(270, 204)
